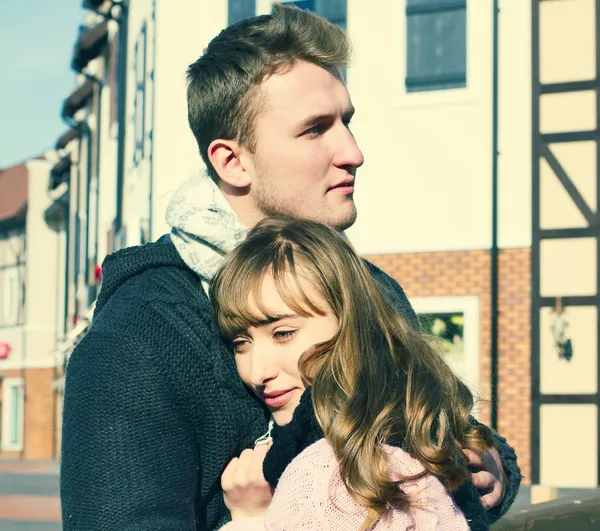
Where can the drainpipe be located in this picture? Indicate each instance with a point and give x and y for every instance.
(494, 250)
(97, 199)
(151, 150)
(121, 111)
(88, 169)
(24, 327)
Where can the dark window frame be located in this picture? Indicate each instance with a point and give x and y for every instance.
(435, 82)
(236, 12)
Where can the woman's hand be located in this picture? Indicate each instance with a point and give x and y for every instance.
(246, 492)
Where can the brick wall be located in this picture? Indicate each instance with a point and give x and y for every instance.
(467, 273)
(39, 414)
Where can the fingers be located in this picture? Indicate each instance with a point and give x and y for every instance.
(476, 459)
(492, 499)
(245, 470)
(244, 467)
(227, 479)
(483, 480)
(246, 493)
(490, 485)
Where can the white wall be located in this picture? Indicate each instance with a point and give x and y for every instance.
(183, 30)
(426, 182)
(41, 303)
(32, 340)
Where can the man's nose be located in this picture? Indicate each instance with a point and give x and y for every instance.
(349, 154)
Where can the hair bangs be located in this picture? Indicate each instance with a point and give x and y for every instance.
(239, 301)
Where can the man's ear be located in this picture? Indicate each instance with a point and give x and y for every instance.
(225, 156)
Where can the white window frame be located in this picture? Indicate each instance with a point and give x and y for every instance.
(469, 307)
(8, 386)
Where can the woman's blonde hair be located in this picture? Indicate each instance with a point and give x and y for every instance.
(378, 380)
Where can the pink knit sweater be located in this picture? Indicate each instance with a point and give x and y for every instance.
(311, 496)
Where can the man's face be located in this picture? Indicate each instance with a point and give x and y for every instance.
(306, 157)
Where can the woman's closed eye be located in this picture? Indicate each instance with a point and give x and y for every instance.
(240, 344)
(283, 334)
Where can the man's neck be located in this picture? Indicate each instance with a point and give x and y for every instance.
(238, 200)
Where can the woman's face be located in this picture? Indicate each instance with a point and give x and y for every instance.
(267, 355)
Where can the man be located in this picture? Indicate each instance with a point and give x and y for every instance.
(154, 408)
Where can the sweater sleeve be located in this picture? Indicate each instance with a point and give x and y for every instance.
(296, 505)
(129, 460)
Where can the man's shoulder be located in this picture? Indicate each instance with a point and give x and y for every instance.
(149, 287)
(153, 272)
(394, 291)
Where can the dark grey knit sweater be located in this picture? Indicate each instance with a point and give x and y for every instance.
(154, 408)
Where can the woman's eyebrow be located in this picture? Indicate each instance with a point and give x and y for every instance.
(273, 319)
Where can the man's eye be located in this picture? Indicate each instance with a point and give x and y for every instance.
(318, 129)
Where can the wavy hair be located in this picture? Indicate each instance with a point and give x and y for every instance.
(378, 380)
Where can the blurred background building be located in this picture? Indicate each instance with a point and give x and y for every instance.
(479, 195)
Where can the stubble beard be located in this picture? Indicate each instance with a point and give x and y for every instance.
(270, 204)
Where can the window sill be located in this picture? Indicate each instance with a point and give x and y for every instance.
(12, 447)
(434, 98)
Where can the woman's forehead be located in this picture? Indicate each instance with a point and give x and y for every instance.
(288, 294)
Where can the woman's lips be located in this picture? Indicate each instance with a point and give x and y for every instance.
(278, 398)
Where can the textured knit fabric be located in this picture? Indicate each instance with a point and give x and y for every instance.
(312, 496)
(304, 431)
(154, 407)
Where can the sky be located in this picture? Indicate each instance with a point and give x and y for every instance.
(36, 47)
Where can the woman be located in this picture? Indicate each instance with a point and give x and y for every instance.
(371, 422)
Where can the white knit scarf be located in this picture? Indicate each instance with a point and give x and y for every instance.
(204, 227)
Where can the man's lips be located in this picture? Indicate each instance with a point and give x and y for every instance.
(347, 185)
(275, 399)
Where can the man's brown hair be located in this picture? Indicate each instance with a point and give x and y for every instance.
(223, 84)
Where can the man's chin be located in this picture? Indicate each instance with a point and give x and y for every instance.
(346, 222)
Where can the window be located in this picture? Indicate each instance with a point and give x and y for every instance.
(333, 10)
(13, 409)
(455, 320)
(139, 103)
(240, 9)
(436, 44)
(303, 4)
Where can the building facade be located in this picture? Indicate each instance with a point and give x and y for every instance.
(28, 265)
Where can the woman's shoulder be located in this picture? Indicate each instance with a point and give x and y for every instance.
(320, 456)
(315, 464)
(312, 490)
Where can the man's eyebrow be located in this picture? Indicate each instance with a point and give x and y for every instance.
(316, 118)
